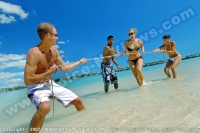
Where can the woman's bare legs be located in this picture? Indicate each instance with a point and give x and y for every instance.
(175, 64)
(134, 71)
(139, 71)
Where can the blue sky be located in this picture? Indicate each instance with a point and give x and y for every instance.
(83, 26)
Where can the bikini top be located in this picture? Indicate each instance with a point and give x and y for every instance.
(131, 46)
(170, 45)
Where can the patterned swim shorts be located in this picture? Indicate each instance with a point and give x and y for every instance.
(108, 73)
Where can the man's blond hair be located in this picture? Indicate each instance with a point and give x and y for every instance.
(44, 28)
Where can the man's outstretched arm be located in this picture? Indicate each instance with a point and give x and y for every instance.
(66, 67)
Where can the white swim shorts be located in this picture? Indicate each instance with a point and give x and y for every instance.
(41, 92)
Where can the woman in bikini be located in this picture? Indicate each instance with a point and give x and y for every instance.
(135, 60)
(174, 56)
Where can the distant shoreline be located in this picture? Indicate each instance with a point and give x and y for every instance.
(99, 73)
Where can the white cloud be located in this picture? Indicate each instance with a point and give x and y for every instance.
(67, 62)
(8, 8)
(12, 60)
(8, 75)
(13, 9)
(16, 80)
(61, 52)
(8, 79)
(6, 19)
(11, 85)
(56, 46)
(9, 64)
(61, 42)
(4, 57)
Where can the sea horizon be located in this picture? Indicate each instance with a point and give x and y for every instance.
(195, 55)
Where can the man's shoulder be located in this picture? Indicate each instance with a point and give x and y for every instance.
(54, 50)
(33, 53)
(33, 50)
(105, 48)
(108, 48)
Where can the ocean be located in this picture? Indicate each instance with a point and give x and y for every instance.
(162, 105)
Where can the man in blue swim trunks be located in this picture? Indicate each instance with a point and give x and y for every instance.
(42, 61)
(108, 73)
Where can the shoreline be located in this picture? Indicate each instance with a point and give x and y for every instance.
(99, 73)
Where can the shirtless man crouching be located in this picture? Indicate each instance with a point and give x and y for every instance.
(42, 61)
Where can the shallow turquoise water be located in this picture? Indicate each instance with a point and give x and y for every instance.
(163, 104)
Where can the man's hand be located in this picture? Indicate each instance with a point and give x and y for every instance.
(82, 61)
(53, 69)
(121, 54)
(127, 53)
(163, 51)
(119, 69)
(143, 52)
